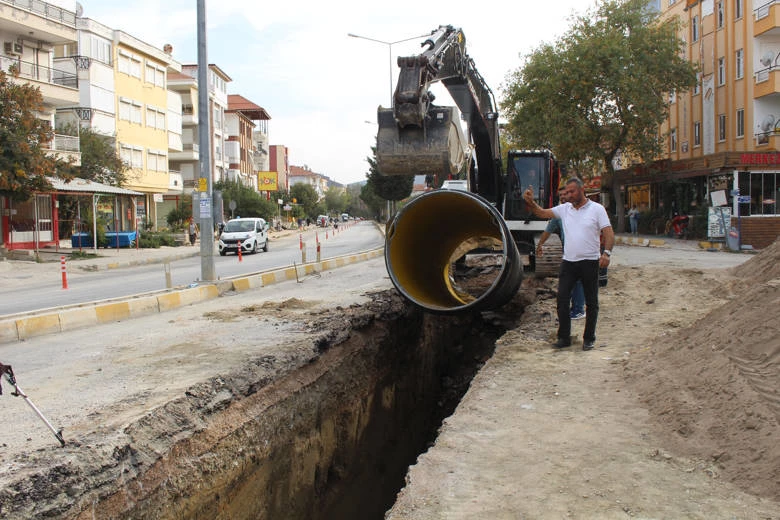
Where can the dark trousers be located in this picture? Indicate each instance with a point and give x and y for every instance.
(588, 272)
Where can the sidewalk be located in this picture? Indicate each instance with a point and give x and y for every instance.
(114, 258)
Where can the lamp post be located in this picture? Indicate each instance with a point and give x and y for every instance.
(389, 52)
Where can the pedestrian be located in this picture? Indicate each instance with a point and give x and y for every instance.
(633, 218)
(583, 222)
(193, 230)
(577, 311)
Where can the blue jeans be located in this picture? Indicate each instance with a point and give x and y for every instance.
(586, 271)
(634, 225)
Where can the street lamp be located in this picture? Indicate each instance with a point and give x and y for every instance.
(390, 53)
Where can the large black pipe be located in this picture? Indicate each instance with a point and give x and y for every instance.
(431, 232)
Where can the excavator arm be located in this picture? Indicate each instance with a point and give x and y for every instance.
(416, 137)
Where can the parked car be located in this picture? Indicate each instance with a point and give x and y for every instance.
(250, 234)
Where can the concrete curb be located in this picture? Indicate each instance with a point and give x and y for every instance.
(21, 327)
(641, 242)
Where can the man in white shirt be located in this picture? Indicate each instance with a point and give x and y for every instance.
(584, 222)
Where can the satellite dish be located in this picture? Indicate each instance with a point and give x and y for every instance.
(767, 122)
(79, 10)
(766, 58)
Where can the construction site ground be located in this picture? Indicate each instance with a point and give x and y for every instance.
(674, 414)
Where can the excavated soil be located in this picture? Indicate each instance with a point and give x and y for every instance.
(675, 414)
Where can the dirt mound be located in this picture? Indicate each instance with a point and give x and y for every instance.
(762, 267)
(714, 387)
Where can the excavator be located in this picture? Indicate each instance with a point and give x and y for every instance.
(430, 240)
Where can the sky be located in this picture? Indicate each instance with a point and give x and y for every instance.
(320, 86)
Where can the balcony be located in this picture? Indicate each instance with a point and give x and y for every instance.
(767, 19)
(190, 152)
(65, 147)
(189, 115)
(175, 183)
(58, 87)
(767, 82)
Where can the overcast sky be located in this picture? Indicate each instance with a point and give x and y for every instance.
(321, 87)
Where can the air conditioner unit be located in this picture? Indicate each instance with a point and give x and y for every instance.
(12, 48)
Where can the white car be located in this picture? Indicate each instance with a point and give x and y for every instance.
(250, 234)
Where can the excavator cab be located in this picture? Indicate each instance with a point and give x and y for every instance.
(535, 168)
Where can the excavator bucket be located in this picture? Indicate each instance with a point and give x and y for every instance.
(438, 148)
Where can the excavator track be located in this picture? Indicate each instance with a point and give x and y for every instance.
(549, 264)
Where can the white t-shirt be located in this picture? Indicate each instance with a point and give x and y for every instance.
(582, 229)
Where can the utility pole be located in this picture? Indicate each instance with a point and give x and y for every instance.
(207, 270)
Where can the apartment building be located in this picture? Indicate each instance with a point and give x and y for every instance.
(303, 175)
(724, 135)
(29, 32)
(279, 163)
(142, 108)
(246, 127)
(218, 101)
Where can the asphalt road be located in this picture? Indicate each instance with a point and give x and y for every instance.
(32, 287)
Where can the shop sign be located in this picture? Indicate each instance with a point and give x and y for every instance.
(759, 158)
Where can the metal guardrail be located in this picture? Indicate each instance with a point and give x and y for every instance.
(45, 9)
(762, 11)
(32, 71)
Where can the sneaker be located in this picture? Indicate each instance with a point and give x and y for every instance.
(561, 343)
(577, 315)
(588, 344)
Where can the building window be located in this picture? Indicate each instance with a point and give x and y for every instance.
(155, 118)
(722, 127)
(763, 189)
(741, 122)
(131, 155)
(697, 86)
(673, 140)
(697, 134)
(129, 64)
(738, 9)
(740, 63)
(672, 97)
(695, 29)
(721, 71)
(129, 110)
(156, 161)
(720, 14)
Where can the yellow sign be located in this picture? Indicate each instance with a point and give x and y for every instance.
(267, 181)
(203, 184)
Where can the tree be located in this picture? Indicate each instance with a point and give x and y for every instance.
(249, 203)
(306, 199)
(602, 89)
(336, 200)
(387, 187)
(99, 159)
(24, 164)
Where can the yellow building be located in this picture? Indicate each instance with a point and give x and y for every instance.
(141, 98)
(723, 136)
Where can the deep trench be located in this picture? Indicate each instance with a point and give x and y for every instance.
(428, 391)
(400, 373)
(330, 439)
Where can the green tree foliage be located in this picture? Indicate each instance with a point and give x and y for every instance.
(336, 200)
(368, 193)
(601, 89)
(100, 161)
(388, 187)
(307, 201)
(249, 203)
(24, 165)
